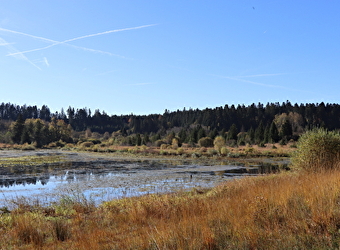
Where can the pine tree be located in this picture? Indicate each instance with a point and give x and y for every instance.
(18, 129)
(259, 133)
(232, 133)
(201, 133)
(193, 136)
(25, 137)
(273, 133)
(182, 135)
(38, 135)
(251, 135)
(286, 130)
(138, 140)
(266, 134)
(213, 133)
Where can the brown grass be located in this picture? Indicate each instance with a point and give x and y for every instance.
(284, 211)
(269, 150)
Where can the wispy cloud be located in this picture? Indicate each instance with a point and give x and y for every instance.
(252, 82)
(66, 42)
(19, 56)
(261, 84)
(46, 62)
(5, 44)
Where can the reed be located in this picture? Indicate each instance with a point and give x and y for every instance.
(291, 210)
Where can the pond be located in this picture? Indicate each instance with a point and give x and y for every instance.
(102, 178)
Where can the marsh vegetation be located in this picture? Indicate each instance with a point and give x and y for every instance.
(298, 209)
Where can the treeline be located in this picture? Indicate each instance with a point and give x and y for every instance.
(256, 123)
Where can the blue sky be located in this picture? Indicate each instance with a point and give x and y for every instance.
(143, 57)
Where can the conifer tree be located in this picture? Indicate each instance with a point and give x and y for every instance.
(273, 133)
(232, 133)
(38, 135)
(266, 134)
(182, 135)
(25, 137)
(18, 129)
(259, 133)
(286, 130)
(251, 135)
(138, 140)
(213, 133)
(201, 133)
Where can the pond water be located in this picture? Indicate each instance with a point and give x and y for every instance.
(103, 180)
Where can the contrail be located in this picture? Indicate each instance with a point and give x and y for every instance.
(255, 83)
(74, 46)
(19, 56)
(24, 34)
(46, 62)
(262, 84)
(54, 43)
(107, 32)
(5, 44)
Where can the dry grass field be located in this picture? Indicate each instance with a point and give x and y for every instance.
(294, 210)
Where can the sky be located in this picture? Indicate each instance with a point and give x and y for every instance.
(144, 57)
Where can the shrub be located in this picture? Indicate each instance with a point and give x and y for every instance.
(69, 145)
(203, 150)
(175, 143)
(27, 146)
(249, 150)
(60, 143)
(95, 141)
(180, 151)
(163, 152)
(195, 155)
(158, 143)
(87, 144)
(219, 142)
(133, 150)
(206, 142)
(318, 149)
(212, 151)
(224, 151)
(52, 145)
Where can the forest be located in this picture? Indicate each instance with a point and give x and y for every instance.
(239, 125)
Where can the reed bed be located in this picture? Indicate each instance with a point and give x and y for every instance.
(295, 210)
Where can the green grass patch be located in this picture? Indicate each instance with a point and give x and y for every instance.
(30, 160)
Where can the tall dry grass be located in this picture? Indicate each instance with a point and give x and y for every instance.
(285, 211)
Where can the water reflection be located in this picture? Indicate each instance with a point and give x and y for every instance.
(113, 180)
(17, 181)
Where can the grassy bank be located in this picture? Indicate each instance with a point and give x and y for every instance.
(290, 210)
